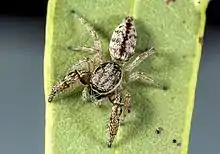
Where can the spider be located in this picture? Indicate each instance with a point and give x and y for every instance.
(105, 79)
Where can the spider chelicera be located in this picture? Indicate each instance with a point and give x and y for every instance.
(105, 79)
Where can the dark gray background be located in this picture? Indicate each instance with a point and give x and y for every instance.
(21, 86)
(22, 95)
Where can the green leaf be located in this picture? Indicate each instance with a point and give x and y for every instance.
(175, 30)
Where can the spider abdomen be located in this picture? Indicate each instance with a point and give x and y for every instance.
(106, 78)
(123, 41)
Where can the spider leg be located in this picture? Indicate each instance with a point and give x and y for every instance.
(83, 48)
(78, 72)
(139, 59)
(84, 64)
(85, 94)
(116, 112)
(127, 105)
(144, 77)
(88, 95)
(63, 84)
(97, 43)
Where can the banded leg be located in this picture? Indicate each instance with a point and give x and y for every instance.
(116, 112)
(97, 43)
(144, 77)
(82, 67)
(140, 58)
(63, 84)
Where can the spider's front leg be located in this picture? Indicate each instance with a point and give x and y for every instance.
(78, 72)
(114, 123)
(63, 84)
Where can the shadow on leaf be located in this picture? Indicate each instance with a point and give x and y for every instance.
(142, 110)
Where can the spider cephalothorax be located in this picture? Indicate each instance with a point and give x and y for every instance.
(105, 78)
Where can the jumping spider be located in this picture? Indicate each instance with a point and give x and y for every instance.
(105, 79)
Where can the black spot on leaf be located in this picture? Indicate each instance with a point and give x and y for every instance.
(174, 141)
(159, 130)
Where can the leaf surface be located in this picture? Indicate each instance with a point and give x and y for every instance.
(174, 28)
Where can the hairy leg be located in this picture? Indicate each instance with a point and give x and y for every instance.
(87, 96)
(144, 77)
(83, 64)
(72, 76)
(116, 112)
(97, 43)
(82, 48)
(63, 84)
(139, 59)
(127, 105)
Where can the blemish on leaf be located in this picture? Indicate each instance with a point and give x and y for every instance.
(169, 1)
(72, 11)
(159, 130)
(184, 21)
(194, 55)
(165, 87)
(197, 4)
(178, 144)
(175, 142)
(201, 40)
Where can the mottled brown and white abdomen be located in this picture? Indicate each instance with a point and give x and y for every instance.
(123, 42)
